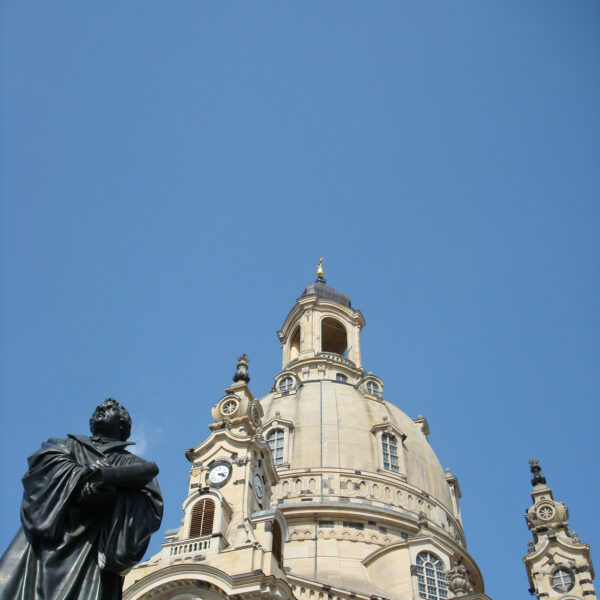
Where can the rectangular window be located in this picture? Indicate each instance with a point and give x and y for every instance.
(326, 523)
(390, 453)
(354, 525)
(275, 441)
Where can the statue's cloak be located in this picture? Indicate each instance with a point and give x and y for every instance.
(69, 550)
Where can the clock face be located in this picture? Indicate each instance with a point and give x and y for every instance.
(259, 486)
(219, 473)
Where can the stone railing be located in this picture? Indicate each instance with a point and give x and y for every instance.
(367, 487)
(338, 358)
(191, 546)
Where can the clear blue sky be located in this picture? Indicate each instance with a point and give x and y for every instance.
(171, 172)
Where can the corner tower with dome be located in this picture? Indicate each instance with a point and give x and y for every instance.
(322, 488)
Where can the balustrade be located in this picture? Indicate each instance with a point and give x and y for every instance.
(189, 546)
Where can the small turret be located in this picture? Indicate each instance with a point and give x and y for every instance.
(238, 410)
(557, 562)
(322, 333)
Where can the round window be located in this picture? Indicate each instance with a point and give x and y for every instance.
(229, 407)
(285, 384)
(545, 512)
(562, 580)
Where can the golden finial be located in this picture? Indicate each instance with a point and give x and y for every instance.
(320, 272)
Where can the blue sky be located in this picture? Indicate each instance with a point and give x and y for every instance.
(171, 173)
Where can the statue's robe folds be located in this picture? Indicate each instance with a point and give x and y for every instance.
(68, 549)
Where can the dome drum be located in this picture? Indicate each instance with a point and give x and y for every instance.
(301, 489)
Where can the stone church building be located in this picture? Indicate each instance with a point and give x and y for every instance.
(322, 489)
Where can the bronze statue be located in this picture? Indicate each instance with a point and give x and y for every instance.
(89, 508)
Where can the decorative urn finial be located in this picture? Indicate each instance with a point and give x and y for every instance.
(320, 271)
(536, 470)
(242, 369)
(459, 582)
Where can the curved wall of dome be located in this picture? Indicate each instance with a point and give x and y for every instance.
(361, 488)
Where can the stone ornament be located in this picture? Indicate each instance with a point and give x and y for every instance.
(242, 369)
(459, 582)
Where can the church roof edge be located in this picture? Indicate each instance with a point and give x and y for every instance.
(320, 288)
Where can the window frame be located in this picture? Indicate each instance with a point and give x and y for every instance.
(277, 541)
(283, 385)
(373, 388)
(389, 451)
(328, 325)
(288, 439)
(387, 429)
(273, 435)
(428, 578)
(571, 575)
(205, 516)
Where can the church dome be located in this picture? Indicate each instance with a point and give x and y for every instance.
(359, 484)
(337, 425)
(319, 488)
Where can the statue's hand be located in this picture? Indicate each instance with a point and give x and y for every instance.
(96, 493)
(93, 469)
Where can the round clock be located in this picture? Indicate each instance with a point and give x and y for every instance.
(219, 474)
(259, 486)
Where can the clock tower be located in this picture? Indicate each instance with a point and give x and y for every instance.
(559, 565)
(230, 539)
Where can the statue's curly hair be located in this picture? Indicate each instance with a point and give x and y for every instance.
(124, 419)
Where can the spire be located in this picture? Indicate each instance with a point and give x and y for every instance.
(320, 287)
(320, 271)
(536, 470)
(242, 369)
(556, 555)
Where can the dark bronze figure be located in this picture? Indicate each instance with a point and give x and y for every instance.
(89, 508)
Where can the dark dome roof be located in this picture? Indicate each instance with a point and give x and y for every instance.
(320, 288)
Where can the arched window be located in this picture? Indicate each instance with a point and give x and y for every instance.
(286, 384)
(203, 515)
(333, 336)
(373, 389)
(389, 447)
(341, 377)
(430, 576)
(275, 440)
(277, 545)
(562, 580)
(295, 343)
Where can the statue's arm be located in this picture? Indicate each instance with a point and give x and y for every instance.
(134, 476)
(136, 514)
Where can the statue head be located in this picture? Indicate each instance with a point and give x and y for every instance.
(111, 419)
